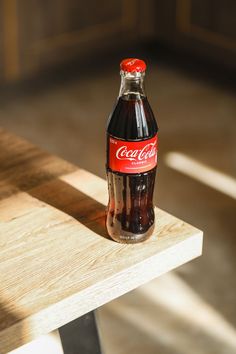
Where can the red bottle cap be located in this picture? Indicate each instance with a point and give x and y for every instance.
(132, 65)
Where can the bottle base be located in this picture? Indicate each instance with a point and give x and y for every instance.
(129, 238)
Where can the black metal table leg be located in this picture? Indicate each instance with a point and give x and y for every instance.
(81, 336)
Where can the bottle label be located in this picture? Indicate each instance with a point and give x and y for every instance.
(132, 156)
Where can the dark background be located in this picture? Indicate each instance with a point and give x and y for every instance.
(36, 36)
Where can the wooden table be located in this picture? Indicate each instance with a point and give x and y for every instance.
(56, 262)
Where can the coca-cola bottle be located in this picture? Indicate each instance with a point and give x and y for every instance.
(131, 159)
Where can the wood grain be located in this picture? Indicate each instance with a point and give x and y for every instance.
(56, 261)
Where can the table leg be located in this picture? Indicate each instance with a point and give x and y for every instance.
(81, 336)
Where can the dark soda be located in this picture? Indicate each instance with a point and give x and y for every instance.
(131, 159)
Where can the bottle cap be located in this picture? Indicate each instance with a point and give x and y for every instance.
(132, 65)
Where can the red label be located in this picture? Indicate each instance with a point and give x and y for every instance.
(132, 156)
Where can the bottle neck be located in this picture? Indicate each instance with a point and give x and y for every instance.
(132, 85)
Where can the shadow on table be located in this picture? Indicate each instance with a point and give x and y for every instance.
(73, 202)
(26, 168)
(7, 319)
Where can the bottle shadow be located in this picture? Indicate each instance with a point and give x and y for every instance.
(9, 318)
(26, 168)
(73, 202)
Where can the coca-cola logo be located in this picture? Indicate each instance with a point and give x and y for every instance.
(132, 156)
(148, 151)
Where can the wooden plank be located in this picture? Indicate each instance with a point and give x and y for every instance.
(56, 261)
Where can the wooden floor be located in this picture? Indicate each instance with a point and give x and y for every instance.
(195, 306)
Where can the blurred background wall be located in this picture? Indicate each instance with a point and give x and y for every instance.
(59, 78)
(37, 35)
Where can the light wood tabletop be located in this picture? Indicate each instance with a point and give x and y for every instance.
(56, 261)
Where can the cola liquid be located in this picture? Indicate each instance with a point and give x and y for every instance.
(131, 159)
